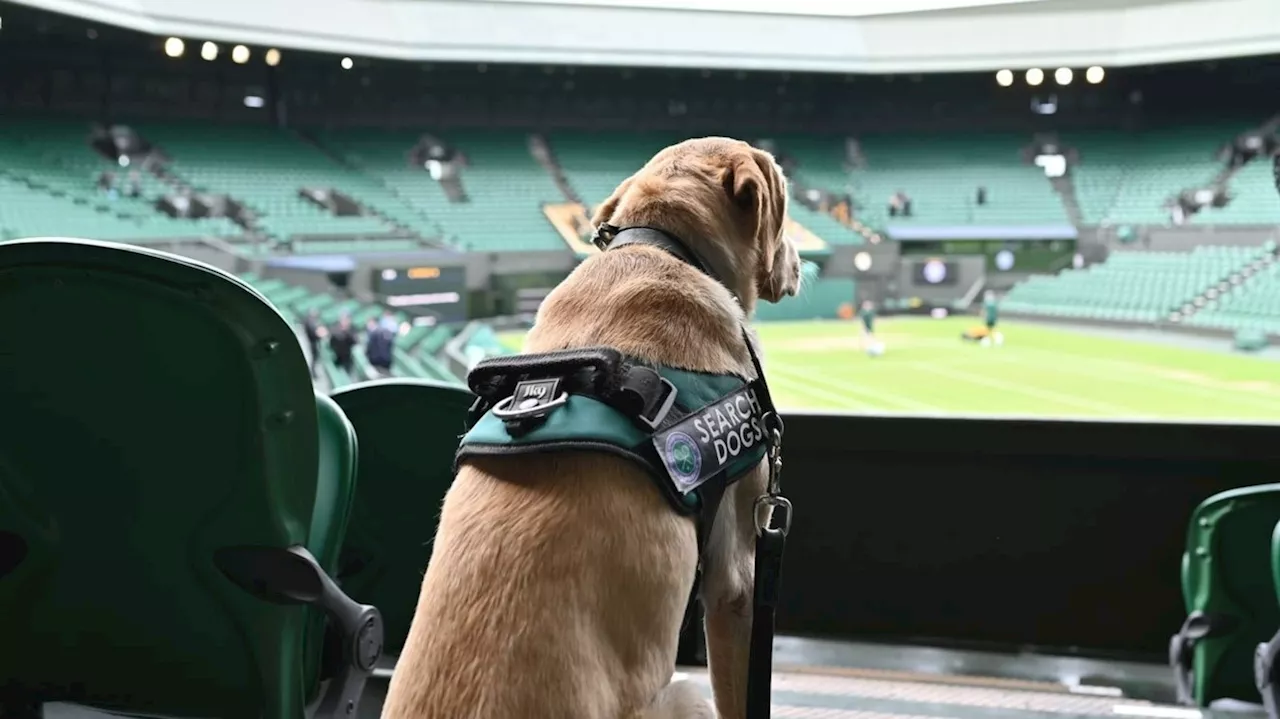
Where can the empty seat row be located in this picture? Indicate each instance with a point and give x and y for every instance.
(1132, 286)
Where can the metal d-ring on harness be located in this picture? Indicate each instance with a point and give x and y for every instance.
(694, 433)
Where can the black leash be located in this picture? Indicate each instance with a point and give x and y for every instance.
(772, 510)
(773, 521)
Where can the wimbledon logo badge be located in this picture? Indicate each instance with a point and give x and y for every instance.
(683, 458)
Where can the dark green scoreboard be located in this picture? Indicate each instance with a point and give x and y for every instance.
(423, 290)
(1000, 255)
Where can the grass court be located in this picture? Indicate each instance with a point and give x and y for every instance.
(1039, 371)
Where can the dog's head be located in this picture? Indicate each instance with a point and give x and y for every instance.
(727, 200)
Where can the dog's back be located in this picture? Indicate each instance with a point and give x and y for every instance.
(558, 581)
(541, 562)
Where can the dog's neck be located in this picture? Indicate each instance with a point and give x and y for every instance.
(704, 256)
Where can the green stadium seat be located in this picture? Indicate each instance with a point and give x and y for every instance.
(171, 515)
(1266, 662)
(1229, 594)
(408, 433)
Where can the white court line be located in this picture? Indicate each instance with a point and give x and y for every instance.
(1137, 373)
(1028, 390)
(852, 390)
(804, 387)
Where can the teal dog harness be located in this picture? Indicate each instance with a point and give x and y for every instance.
(684, 428)
(694, 433)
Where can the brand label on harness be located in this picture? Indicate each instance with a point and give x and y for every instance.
(702, 444)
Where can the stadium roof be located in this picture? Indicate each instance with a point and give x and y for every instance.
(848, 36)
(828, 8)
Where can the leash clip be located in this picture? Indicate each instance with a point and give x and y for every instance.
(773, 498)
(764, 520)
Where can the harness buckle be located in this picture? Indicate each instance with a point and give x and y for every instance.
(664, 407)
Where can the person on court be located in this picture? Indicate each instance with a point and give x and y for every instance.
(991, 315)
(867, 313)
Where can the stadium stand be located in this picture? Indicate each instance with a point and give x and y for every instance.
(504, 185)
(1252, 305)
(1229, 593)
(265, 168)
(1132, 286)
(597, 162)
(1252, 189)
(48, 187)
(817, 162)
(941, 173)
(1126, 177)
(417, 346)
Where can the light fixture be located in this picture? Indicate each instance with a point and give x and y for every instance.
(1035, 76)
(273, 57)
(239, 54)
(347, 63)
(1094, 75)
(254, 101)
(209, 51)
(1004, 78)
(1063, 75)
(174, 47)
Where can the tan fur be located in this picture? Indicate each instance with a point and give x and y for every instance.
(557, 583)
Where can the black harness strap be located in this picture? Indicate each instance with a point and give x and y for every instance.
(771, 526)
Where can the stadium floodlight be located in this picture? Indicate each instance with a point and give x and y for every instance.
(1004, 78)
(1063, 75)
(209, 51)
(1035, 76)
(347, 63)
(1094, 75)
(239, 54)
(174, 47)
(273, 57)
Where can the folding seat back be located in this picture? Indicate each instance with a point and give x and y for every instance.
(408, 431)
(1229, 594)
(171, 491)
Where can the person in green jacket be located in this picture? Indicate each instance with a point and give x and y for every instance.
(991, 316)
(991, 310)
(867, 313)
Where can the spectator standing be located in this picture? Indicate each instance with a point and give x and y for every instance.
(342, 342)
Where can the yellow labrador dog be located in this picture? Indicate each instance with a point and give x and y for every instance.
(558, 581)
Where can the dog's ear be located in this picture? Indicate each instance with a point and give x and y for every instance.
(758, 190)
(606, 209)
